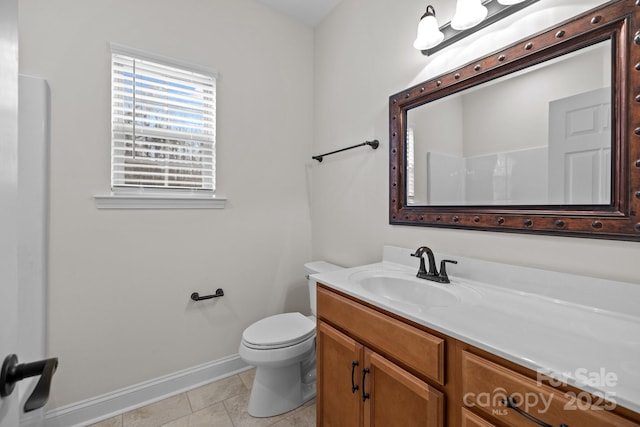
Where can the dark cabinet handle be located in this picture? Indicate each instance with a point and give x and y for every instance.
(511, 403)
(365, 395)
(13, 372)
(354, 386)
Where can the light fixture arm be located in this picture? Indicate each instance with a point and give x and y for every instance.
(496, 12)
(429, 12)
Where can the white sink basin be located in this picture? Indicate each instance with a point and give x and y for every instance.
(403, 288)
(517, 313)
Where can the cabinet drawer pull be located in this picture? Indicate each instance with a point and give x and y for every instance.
(365, 395)
(511, 403)
(354, 386)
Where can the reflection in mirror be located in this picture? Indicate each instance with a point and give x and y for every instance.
(541, 136)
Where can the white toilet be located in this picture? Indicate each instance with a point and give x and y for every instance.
(283, 350)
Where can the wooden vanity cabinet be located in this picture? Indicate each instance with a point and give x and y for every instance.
(374, 369)
(357, 386)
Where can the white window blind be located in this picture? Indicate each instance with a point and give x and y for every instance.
(410, 168)
(163, 125)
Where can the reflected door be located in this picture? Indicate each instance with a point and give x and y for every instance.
(580, 149)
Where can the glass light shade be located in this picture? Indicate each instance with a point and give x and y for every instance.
(509, 2)
(469, 13)
(429, 35)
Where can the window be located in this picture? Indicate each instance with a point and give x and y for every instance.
(410, 168)
(163, 124)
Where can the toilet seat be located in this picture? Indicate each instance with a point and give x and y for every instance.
(279, 331)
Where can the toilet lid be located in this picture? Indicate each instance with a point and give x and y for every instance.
(280, 330)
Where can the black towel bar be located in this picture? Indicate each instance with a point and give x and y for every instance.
(373, 144)
(196, 296)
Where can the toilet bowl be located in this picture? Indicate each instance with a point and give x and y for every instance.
(283, 350)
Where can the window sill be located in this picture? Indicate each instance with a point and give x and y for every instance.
(157, 201)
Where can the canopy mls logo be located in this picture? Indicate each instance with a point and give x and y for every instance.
(596, 400)
(499, 401)
(602, 378)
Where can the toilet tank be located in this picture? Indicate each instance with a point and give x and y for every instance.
(314, 267)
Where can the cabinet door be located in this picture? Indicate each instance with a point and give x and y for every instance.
(338, 404)
(397, 398)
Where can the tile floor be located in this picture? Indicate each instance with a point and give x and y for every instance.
(219, 404)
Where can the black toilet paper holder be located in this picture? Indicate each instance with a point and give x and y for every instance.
(196, 296)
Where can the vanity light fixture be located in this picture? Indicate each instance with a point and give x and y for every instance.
(429, 35)
(471, 16)
(469, 13)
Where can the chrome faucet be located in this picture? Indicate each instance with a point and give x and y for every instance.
(432, 274)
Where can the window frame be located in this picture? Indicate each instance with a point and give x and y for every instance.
(149, 197)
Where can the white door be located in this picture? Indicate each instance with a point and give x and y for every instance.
(8, 196)
(580, 149)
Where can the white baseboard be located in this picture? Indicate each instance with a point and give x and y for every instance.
(99, 408)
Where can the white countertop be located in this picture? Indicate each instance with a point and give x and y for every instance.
(579, 330)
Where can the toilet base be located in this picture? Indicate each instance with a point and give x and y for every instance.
(279, 390)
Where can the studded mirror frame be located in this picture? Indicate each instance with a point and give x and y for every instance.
(618, 21)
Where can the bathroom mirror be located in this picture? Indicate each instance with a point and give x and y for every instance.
(542, 136)
(479, 147)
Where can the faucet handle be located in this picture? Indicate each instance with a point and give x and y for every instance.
(443, 269)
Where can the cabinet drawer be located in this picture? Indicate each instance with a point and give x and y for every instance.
(485, 385)
(417, 350)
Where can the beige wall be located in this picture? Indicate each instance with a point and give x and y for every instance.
(120, 280)
(364, 54)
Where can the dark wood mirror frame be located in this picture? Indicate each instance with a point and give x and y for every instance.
(618, 21)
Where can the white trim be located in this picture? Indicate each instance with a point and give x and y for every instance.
(111, 404)
(158, 201)
(141, 54)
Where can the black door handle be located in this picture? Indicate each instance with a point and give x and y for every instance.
(12, 372)
(365, 395)
(354, 387)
